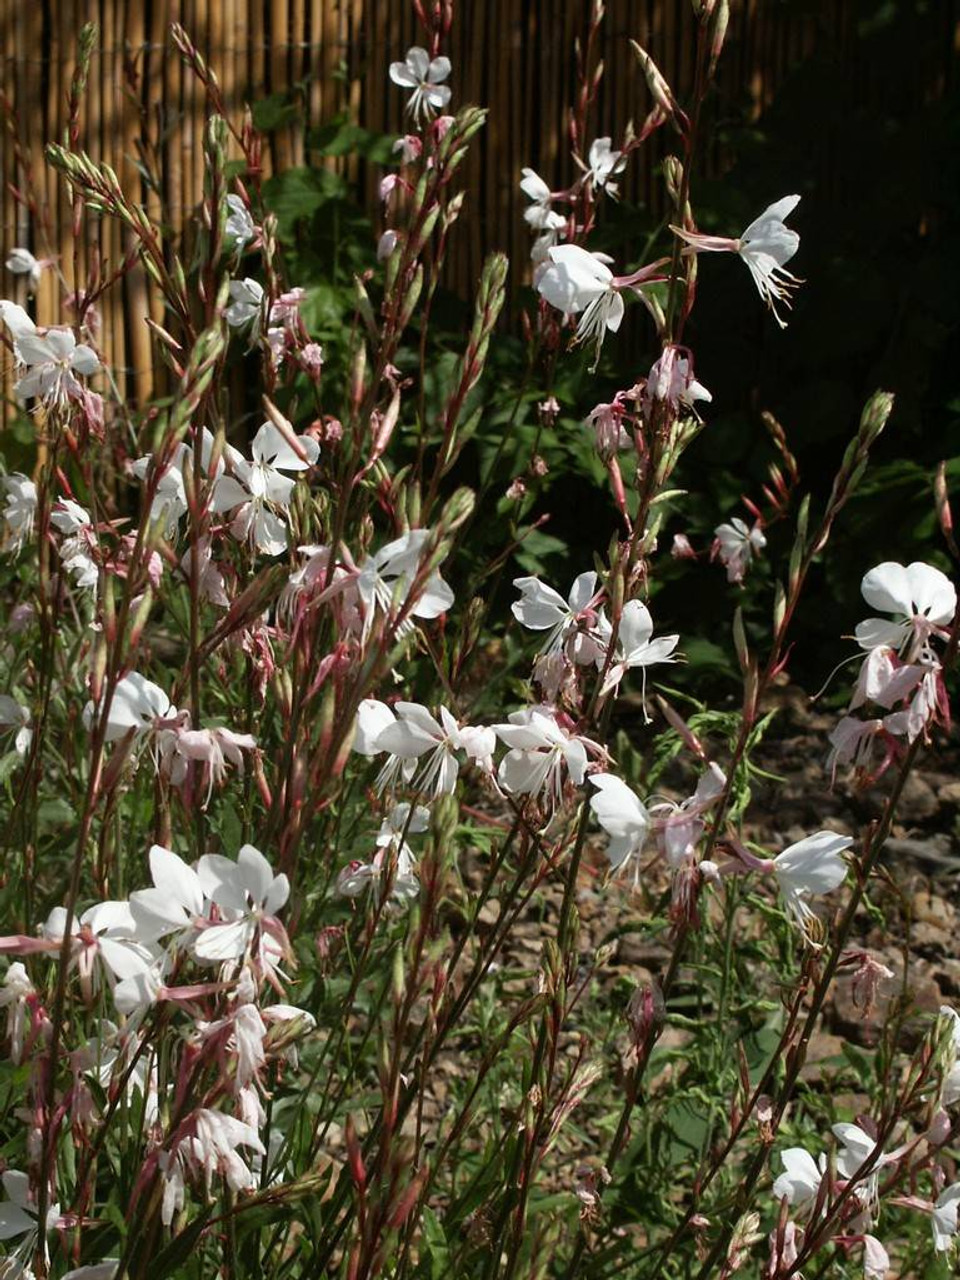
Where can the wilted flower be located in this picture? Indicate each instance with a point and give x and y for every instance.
(766, 246)
(671, 379)
(425, 78)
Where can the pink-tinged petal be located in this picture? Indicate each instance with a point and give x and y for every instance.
(401, 74)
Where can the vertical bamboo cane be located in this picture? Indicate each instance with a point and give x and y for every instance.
(280, 75)
(299, 63)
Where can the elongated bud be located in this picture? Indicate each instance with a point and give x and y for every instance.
(411, 297)
(721, 21)
(740, 640)
(646, 1012)
(660, 91)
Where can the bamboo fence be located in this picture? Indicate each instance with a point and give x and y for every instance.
(514, 56)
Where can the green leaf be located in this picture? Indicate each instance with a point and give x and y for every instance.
(298, 193)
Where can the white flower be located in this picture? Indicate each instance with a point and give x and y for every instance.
(372, 717)
(212, 1149)
(576, 282)
(137, 704)
(801, 1177)
(540, 749)
(605, 163)
(16, 320)
(671, 379)
(246, 304)
(15, 994)
(395, 570)
(249, 896)
(19, 509)
(635, 645)
(735, 545)
(539, 215)
(18, 1217)
(53, 360)
(623, 816)
(540, 608)
(951, 1082)
(921, 598)
(211, 749)
(944, 1218)
(417, 733)
(257, 486)
(13, 715)
(766, 246)
(175, 903)
(809, 867)
(239, 225)
(21, 262)
(678, 827)
(424, 77)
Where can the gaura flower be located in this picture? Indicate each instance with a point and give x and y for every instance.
(801, 1177)
(540, 608)
(922, 600)
(416, 733)
(766, 246)
(21, 262)
(396, 568)
(540, 750)
(425, 77)
(810, 867)
(13, 715)
(636, 646)
(246, 304)
(539, 214)
(258, 486)
(603, 163)
(54, 359)
(576, 282)
(735, 545)
(19, 509)
(239, 225)
(623, 816)
(944, 1218)
(671, 379)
